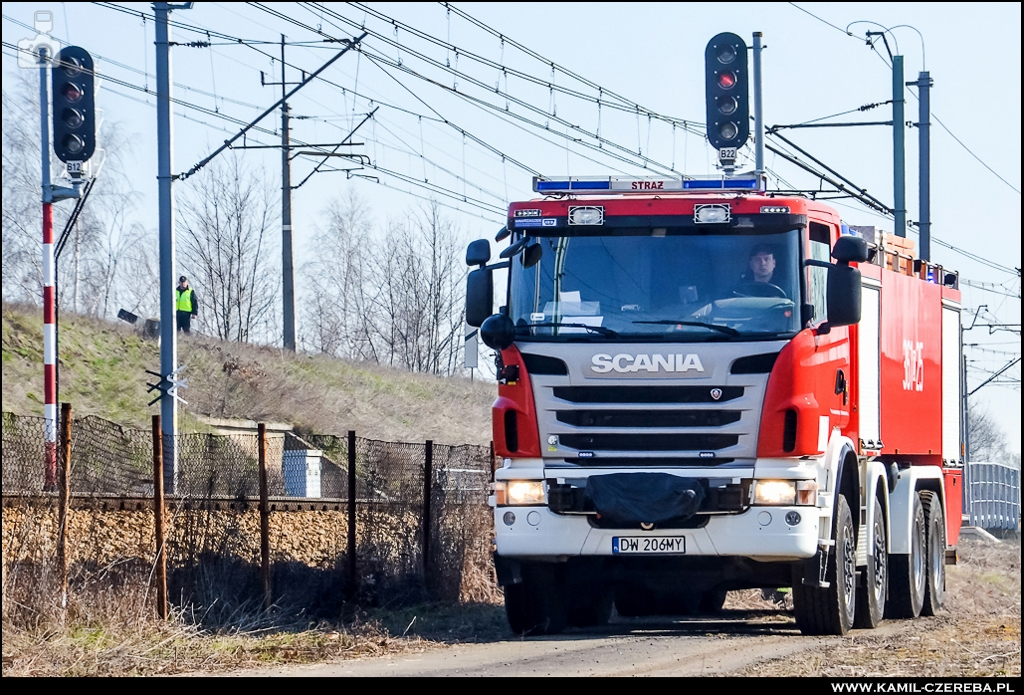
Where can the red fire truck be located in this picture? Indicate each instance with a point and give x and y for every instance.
(703, 387)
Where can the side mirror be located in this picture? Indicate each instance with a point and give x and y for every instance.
(479, 252)
(498, 331)
(850, 249)
(514, 249)
(843, 295)
(532, 255)
(479, 296)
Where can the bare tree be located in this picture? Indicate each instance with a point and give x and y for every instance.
(417, 310)
(22, 216)
(336, 281)
(986, 438)
(226, 247)
(395, 297)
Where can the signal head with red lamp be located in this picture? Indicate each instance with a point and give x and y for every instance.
(726, 80)
(74, 105)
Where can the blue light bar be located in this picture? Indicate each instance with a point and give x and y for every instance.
(571, 185)
(719, 184)
(648, 184)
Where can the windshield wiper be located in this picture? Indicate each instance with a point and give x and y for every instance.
(671, 322)
(596, 329)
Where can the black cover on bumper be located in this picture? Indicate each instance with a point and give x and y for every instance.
(509, 571)
(644, 498)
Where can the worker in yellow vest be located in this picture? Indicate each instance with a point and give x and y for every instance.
(187, 304)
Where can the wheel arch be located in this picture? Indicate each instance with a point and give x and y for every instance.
(911, 480)
(876, 492)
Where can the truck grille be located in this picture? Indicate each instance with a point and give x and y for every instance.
(660, 420)
(649, 442)
(648, 418)
(647, 394)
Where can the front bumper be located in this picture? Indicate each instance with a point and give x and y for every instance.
(759, 533)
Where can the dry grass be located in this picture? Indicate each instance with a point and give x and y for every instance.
(129, 640)
(109, 627)
(977, 634)
(150, 647)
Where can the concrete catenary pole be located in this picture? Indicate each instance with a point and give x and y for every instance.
(49, 295)
(898, 150)
(924, 224)
(168, 261)
(287, 262)
(758, 118)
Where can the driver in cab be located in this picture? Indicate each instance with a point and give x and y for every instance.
(762, 264)
(758, 280)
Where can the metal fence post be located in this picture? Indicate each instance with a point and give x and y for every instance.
(158, 519)
(350, 546)
(261, 429)
(493, 464)
(64, 501)
(428, 476)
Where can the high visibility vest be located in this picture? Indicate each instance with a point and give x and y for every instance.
(185, 300)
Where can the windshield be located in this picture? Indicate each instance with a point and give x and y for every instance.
(662, 284)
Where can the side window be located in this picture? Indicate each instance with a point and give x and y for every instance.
(819, 249)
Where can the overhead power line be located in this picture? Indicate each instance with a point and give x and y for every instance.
(622, 103)
(933, 115)
(991, 287)
(486, 88)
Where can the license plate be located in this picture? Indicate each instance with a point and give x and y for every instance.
(657, 545)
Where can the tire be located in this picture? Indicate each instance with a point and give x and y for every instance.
(536, 606)
(591, 608)
(935, 523)
(830, 611)
(711, 602)
(678, 602)
(908, 574)
(871, 594)
(632, 602)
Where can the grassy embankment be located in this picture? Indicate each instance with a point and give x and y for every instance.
(102, 373)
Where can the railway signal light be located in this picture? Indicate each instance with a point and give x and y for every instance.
(74, 105)
(727, 90)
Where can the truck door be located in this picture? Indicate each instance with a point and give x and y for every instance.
(832, 349)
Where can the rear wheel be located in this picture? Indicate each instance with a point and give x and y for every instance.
(590, 608)
(908, 574)
(871, 593)
(935, 524)
(536, 606)
(831, 610)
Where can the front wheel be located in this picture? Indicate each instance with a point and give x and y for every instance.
(536, 606)
(831, 610)
(591, 608)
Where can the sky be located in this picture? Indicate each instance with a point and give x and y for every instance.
(476, 150)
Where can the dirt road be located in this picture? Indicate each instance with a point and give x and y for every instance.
(625, 648)
(978, 634)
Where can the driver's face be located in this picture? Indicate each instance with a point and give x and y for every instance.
(762, 265)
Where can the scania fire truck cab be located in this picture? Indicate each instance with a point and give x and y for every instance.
(702, 388)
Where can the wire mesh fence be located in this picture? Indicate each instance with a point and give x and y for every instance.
(994, 496)
(407, 546)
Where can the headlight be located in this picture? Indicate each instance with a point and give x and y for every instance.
(519, 492)
(785, 492)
